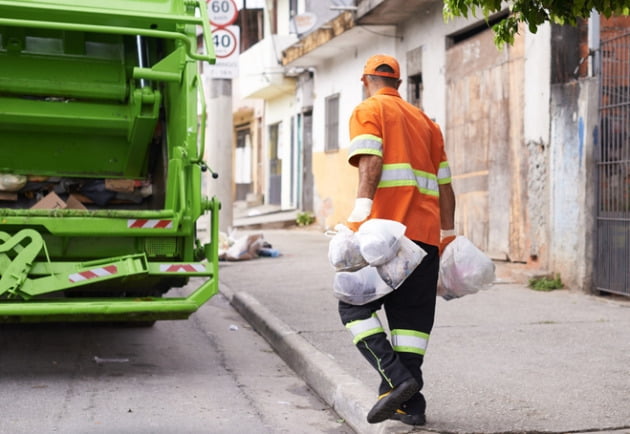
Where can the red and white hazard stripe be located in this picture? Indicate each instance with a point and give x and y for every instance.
(93, 273)
(182, 268)
(149, 224)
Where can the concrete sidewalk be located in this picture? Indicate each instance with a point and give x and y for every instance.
(506, 360)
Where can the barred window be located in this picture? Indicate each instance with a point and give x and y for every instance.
(332, 123)
(414, 90)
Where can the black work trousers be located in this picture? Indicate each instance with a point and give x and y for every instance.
(410, 307)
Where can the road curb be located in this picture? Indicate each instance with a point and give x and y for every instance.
(345, 394)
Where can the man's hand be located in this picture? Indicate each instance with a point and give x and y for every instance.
(361, 211)
(446, 237)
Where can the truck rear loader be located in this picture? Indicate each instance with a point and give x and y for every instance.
(102, 122)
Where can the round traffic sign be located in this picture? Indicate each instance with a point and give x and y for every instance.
(225, 43)
(222, 12)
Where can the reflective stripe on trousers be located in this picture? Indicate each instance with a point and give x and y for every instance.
(363, 328)
(409, 341)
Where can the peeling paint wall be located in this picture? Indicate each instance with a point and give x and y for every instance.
(574, 114)
(536, 125)
(537, 228)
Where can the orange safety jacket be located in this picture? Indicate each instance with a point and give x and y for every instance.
(414, 162)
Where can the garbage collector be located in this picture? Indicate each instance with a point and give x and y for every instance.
(403, 175)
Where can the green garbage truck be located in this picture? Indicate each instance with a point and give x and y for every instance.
(102, 122)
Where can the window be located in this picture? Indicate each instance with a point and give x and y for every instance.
(274, 149)
(252, 28)
(332, 123)
(243, 163)
(414, 76)
(414, 90)
(275, 164)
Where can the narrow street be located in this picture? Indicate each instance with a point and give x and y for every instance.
(210, 374)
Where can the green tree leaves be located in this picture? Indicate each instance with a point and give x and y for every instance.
(532, 13)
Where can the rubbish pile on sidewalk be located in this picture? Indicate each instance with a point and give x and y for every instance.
(243, 248)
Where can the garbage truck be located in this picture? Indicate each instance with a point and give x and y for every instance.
(102, 122)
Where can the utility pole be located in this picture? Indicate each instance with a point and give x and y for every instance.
(219, 129)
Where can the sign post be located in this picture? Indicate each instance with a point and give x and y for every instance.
(222, 15)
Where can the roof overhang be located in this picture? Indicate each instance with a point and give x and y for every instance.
(392, 12)
(332, 40)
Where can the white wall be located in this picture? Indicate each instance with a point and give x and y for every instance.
(537, 97)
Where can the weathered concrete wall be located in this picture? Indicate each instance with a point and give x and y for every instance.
(574, 128)
(336, 187)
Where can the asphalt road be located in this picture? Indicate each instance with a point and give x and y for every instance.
(210, 374)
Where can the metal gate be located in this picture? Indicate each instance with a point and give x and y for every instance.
(613, 168)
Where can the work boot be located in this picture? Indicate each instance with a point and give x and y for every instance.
(409, 418)
(391, 401)
(412, 412)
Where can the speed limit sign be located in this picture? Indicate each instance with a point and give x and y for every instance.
(225, 42)
(222, 12)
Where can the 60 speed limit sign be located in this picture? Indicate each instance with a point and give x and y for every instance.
(225, 42)
(222, 12)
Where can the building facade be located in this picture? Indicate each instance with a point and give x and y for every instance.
(521, 123)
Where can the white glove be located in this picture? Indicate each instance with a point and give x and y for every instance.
(444, 233)
(362, 209)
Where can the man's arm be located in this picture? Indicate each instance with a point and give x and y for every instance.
(370, 168)
(447, 206)
(447, 215)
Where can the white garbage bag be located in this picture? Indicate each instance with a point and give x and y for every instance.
(464, 269)
(343, 250)
(10, 182)
(360, 287)
(379, 240)
(396, 270)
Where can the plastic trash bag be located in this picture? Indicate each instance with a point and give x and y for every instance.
(343, 250)
(396, 270)
(464, 269)
(10, 182)
(360, 287)
(379, 240)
